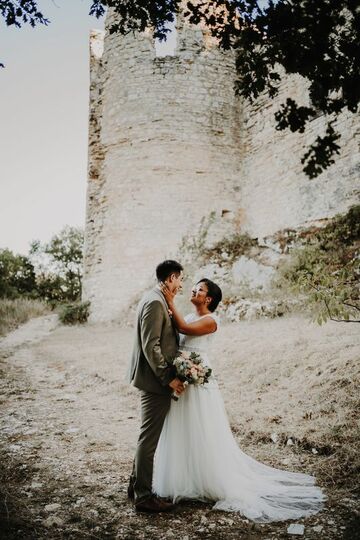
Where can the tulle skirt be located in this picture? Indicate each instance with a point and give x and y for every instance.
(197, 457)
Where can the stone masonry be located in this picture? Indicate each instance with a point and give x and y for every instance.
(169, 144)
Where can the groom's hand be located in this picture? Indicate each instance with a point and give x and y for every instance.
(177, 385)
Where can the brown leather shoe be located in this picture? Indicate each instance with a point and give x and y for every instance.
(154, 504)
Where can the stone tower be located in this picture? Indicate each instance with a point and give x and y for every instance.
(169, 144)
(162, 142)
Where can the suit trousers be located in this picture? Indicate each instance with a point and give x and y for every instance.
(154, 408)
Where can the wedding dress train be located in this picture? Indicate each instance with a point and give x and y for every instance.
(197, 457)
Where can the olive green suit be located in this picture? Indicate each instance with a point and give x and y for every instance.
(150, 370)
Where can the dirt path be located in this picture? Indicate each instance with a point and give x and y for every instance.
(69, 425)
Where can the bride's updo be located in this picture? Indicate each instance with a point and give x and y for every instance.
(214, 292)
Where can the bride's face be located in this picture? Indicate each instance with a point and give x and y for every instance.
(199, 294)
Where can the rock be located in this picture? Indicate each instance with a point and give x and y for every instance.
(285, 461)
(72, 430)
(290, 442)
(314, 451)
(53, 521)
(212, 526)
(203, 520)
(274, 437)
(36, 485)
(318, 528)
(252, 274)
(296, 528)
(52, 507)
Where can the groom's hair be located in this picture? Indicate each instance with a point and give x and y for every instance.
(214, 292)
(166, 268)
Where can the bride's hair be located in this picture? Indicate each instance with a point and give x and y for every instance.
(214, 292)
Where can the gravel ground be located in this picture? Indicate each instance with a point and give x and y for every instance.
(69, 425)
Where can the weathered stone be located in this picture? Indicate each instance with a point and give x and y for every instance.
(296, 529)
(53, 521)
(248, 272)
(52, 507)
(170, 144)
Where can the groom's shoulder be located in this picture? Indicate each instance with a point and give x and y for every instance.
(153, 295)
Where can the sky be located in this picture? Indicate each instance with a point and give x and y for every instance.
(44, 91)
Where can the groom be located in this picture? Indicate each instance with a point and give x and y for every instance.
(156, 344)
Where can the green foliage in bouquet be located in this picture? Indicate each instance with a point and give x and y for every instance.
(326, 269)
(76, 313)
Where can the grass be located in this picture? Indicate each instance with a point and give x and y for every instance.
(18, 311)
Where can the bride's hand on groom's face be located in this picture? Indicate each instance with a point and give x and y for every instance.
(169, 296)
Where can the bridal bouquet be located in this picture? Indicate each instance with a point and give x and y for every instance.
(190, 369)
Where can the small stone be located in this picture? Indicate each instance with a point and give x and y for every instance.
(274, 437)
(290, 442)
(212, 526)
(36, 485)
(52, 521)
(318, 528)
(203, 520)
(296, 528)
(314, 451)
(52, 507)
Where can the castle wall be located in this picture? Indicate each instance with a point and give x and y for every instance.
(169, 143)
(275, 192)
(164, 131)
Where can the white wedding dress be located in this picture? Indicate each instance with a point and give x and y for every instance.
(197, 457)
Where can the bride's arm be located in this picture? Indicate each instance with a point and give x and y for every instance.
(206, 325)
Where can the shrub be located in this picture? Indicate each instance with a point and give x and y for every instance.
(327, 269)
(233, 246)
(77, 313)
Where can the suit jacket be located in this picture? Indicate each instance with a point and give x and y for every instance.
(155, 347)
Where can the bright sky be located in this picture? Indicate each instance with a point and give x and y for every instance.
(44, 124)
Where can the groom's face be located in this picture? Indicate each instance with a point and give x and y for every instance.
(174, 282)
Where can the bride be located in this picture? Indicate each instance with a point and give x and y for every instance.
(197, 456)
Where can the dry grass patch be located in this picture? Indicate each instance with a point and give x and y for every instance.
(18, 311)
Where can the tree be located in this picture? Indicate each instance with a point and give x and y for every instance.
(318, 39)
(59, 265)
(17, 275)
